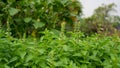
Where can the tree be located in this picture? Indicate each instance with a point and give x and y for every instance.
(100, 21)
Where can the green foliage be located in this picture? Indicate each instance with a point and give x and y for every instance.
(26, 16)
(59, 51)
(116, 20)
(101, 21)
(54, 49)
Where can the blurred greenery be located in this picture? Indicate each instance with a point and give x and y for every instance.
(102, 21)
(52, 34)
(28, 17)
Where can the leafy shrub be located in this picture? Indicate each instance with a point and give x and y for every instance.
(31, 16)
(59, 51)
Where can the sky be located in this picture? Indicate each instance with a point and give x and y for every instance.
(90, 5)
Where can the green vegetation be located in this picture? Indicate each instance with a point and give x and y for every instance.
(26, 17)
(52, 34)
(102, 21)
(60, 51)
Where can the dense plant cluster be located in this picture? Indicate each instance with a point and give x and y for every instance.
(52, 34)
(60, 51)
(31, 16)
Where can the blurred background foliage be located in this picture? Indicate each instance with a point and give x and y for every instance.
(29, 17)
(102, 21)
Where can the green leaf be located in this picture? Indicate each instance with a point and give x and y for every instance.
(77, 54)
(13, 11)
(29, 57)
(107, 64)
(83, 66)
(5, 59)
(41, 51)
(18, 20)
(72, 65)
(13, 59)
(38, 24)
(1, 15)
(62, 62)
(22, 54)
(17, 64)
(84, 52)
(65, 48)
(34, 66)
(59, 63)
(27, 20)
(6, 66)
